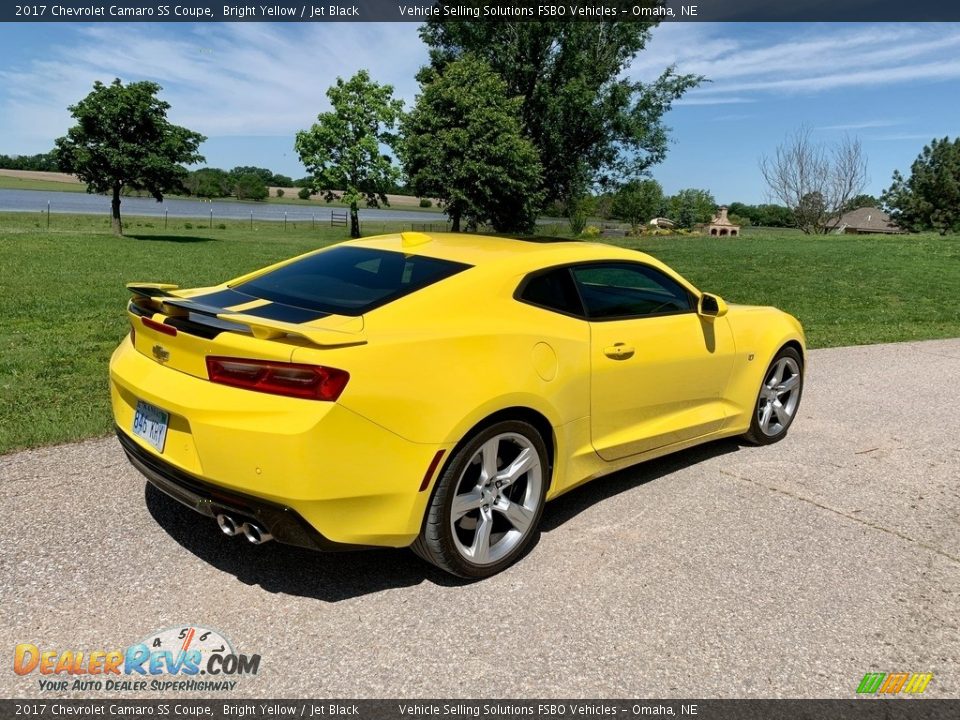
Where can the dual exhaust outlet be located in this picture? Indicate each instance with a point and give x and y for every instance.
(253, 532)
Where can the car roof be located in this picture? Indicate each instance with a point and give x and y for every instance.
(480, 250)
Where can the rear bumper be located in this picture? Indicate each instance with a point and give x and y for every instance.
(284, 523)
(351, 481)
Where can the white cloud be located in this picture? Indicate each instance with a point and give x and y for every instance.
(801, 59)
(862, 125)
(227, 79)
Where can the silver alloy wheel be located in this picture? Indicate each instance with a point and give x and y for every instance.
(779, 396)
(496, 498)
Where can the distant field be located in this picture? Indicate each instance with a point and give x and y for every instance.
(33, 180)
(62, 295)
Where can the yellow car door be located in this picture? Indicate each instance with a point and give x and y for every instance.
(658, 369)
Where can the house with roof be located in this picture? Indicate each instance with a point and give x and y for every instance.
(866, 220)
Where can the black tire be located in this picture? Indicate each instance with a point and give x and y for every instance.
(774, 431)
(441, 539)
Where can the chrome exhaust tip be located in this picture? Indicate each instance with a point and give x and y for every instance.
(255, 534)
(228, 526)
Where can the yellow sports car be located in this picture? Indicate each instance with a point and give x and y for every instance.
(434, 391)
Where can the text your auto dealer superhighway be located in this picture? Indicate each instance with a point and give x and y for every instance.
(161, 11)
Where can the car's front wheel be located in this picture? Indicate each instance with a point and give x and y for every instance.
(778, 399)
(487, 503)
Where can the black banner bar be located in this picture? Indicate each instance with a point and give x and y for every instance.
(454, 11)
(854, 709)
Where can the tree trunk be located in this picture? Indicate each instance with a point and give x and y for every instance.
(354, 220)
(454, 220)
(115, 205)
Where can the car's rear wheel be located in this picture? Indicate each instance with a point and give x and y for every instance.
(487, 503)
(778, 399)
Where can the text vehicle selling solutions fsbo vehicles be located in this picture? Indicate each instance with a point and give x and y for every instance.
(434, 391)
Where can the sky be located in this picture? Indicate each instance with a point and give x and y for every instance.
(250, 87)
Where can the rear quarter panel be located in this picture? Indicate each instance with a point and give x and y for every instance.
(440, 360)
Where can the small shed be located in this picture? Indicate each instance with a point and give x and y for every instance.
(866, 220)
(720, 225)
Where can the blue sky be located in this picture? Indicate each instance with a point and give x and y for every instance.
(250, 87)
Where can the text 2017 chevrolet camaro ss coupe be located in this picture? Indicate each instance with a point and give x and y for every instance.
(434, 391)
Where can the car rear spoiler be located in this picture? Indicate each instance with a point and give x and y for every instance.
(150, 290)
(265, 329)
(158, 297)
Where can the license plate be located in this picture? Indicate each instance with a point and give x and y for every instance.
(150, 423)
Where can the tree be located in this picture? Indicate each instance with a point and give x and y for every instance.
(208, 183)
(690, 207)
(123, 139)
(46, 162)
(463, 144)
(250, 186)
(590, 124)
(638, 201)
(815, 181)
(342, 150)
(930, 198)
(303, 193)
(861, 201)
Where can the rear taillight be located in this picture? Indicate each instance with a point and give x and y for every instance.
(311, 382)
(159, 326)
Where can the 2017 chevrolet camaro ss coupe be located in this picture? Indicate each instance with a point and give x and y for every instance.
(434, 391)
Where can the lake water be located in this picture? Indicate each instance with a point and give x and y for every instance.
(86, 204)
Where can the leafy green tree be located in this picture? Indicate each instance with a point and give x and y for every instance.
(45, 162)
(930, 198)
(265, 175)
(638, 201)
(690, 207)
(770, 215)
(861, 201)
(281, 181)
(250, 186)
(123, 140)
(208, 183)
(303, 193)
(590, 123)
(463, 145)
(343, 150)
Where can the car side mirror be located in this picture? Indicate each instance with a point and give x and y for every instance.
(711, 306)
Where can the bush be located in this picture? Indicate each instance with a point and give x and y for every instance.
(304, 193)
(188, 226)
(578, 221)
(222, 226)
(591, 230)
(425, 203)
(279, 192)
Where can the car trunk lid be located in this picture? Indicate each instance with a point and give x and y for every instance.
(180, 329)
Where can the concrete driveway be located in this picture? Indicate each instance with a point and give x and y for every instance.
(787, 571)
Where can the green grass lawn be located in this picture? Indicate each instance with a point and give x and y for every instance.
(62, 295)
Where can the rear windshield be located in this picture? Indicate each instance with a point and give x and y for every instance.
(349, 280)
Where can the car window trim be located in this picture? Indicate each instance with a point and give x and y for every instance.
(569, 267)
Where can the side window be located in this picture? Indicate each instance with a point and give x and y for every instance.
(553, 290)
(618, 290)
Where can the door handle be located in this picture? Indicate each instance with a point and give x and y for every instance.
(619, 351)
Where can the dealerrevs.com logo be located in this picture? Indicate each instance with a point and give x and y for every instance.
(187, 658)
